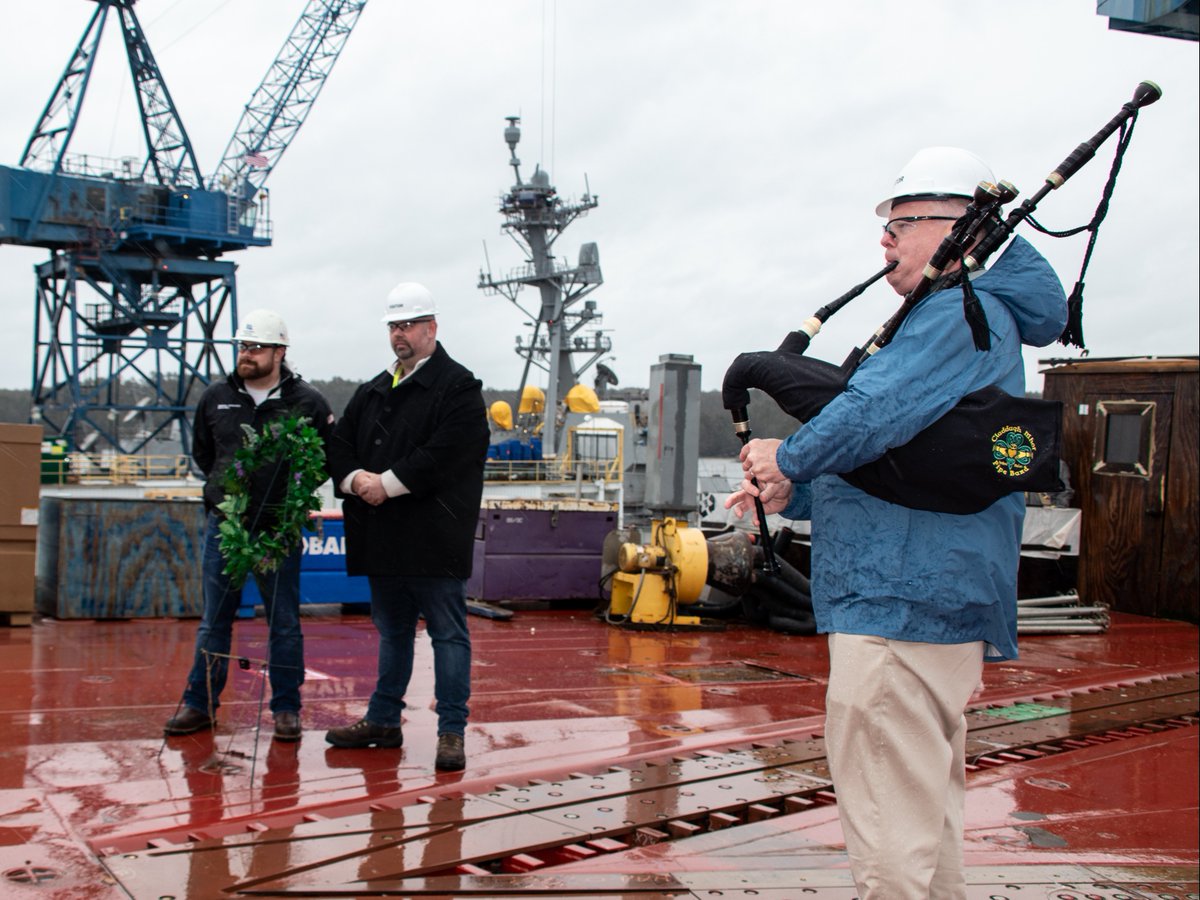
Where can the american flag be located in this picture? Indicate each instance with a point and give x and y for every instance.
(257, 159)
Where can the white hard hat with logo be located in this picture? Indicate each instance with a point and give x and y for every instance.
(263, 327)
(409, 300)
(936, 173)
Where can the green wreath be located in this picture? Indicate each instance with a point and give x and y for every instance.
(294, 445)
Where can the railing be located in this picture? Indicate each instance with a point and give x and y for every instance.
(560, 471)
(184, 218)
(594, 453)
(125, 168)
(112, 468)
(186, 210)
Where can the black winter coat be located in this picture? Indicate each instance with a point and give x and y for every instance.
(431, 431)
(217, 434)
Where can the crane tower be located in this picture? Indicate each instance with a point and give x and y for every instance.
(134, 297)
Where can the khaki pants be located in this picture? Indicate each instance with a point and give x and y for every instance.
(895, 736)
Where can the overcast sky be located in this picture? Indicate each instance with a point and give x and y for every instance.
(737, 150)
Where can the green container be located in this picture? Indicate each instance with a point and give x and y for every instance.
(56, 465)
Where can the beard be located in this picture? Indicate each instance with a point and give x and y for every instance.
(415, 347)
(253, 368)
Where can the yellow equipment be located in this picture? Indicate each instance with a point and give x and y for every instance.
(533, 400)
(501, 413)
(582, 399)
(653, 580)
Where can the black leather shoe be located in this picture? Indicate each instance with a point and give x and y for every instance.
(287, 726)
(189, 721)
(365, 734)
(451, 756)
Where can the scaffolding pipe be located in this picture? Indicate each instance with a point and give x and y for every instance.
(1035, 612)
(1070, 596)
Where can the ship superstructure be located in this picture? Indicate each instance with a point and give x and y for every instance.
(566, 339)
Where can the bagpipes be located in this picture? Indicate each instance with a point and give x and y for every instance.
(990, 444)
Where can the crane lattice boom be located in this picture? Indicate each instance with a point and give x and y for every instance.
(285, 97)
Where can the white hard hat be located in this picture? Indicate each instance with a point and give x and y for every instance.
(263, 327)
(936, 173)
(409, 300)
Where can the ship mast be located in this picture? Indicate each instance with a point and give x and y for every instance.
(566, 340)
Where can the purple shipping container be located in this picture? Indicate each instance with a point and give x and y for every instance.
(546, 550)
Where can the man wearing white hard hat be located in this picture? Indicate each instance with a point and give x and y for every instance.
(262, 389)
(913, 600)
(407, 457)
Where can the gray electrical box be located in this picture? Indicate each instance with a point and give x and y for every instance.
(673, 439)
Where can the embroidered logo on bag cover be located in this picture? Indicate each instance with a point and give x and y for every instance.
(1012, 450)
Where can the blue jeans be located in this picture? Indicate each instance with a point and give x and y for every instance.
(396, 602)
(285, 651)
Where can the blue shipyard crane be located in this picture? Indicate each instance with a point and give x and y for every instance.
(534, 217)
(135, 295)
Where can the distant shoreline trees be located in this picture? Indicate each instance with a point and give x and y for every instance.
(716, 427)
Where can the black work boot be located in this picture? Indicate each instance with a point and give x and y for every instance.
(365, 734)
(287, 726)
(188, 721)
(451, 756)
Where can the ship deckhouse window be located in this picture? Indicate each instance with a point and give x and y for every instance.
(1124, 438)
(596, 446)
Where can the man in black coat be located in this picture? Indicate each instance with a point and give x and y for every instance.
(262, 389)
(408, 458)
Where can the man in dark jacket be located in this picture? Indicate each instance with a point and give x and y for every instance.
(261, 390)
(408, 458)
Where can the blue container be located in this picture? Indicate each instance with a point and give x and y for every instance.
(515, 450)
(323, 577)
(543, 550)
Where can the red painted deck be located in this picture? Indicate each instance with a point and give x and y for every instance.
(601, 763)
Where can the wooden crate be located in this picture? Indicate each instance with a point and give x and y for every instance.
(20, 478)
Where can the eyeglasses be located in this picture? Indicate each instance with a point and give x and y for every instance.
(905, 224)
(405, 327)
(254, 348)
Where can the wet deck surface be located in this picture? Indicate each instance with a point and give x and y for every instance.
(601, 763)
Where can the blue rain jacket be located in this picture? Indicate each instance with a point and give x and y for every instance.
(906, 574)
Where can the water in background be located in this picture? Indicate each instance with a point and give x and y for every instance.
(717, 478)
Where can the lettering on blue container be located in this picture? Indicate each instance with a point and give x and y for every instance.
(315, 545)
